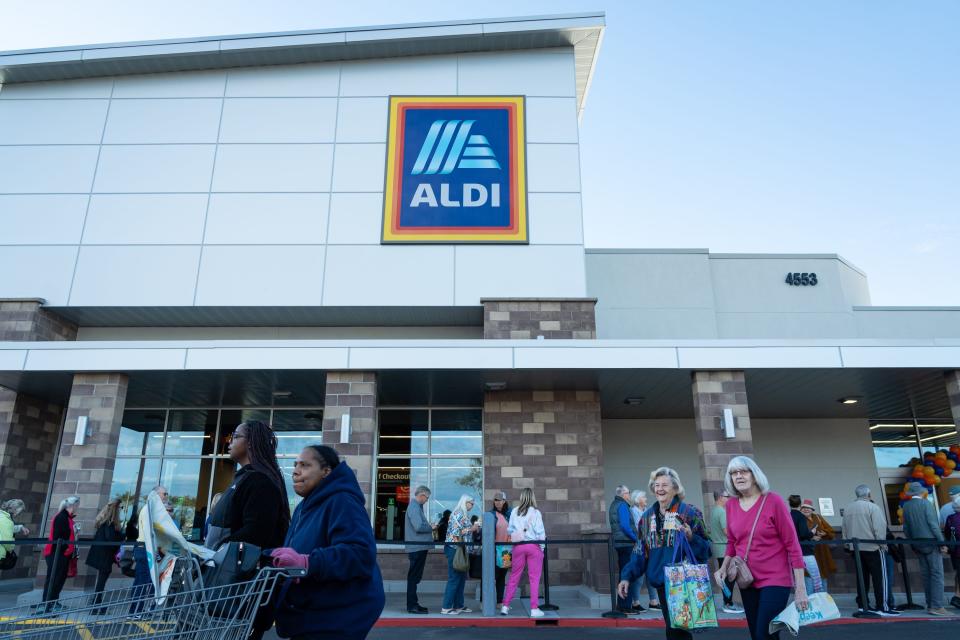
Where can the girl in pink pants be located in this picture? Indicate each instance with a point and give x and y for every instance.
(526, 524)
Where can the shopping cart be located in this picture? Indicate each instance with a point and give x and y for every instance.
(188, 611)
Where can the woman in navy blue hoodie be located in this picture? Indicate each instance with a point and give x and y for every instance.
(331, 538)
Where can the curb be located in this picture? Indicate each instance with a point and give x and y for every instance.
(584, 623)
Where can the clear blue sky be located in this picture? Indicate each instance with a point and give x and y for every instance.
(738, 126)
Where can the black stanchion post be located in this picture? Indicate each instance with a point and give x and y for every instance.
(864, 611)
(614, 580)
(54, 567)
(911, 605)
(546, 606)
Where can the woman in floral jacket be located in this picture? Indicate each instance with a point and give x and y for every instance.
(458, 530)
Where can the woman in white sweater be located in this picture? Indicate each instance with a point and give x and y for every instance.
(526, 524)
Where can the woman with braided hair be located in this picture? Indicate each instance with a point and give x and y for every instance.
(254, 509)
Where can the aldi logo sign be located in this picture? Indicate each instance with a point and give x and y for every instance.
(456, 170)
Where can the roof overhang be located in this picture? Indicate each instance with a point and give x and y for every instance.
(583, 32)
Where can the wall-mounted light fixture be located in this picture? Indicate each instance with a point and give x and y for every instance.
(729, 424)
(345, 429)
(83, 426)
(849, 400)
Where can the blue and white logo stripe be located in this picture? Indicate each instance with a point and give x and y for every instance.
(462, 150)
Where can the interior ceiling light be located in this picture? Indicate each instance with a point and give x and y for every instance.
(494, 386)
(282, 394)
(633, 401)
(849, 400)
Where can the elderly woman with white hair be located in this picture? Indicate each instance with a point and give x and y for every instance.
(8, 511)
(761, 535)
(61, 528)
(660, 525)
(638, 504)
(458, 530)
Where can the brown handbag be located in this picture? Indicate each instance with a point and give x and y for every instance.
(737, 569)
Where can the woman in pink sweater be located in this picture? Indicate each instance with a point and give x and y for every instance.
(774, 556)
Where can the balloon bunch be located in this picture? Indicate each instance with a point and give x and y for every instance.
(930, 471)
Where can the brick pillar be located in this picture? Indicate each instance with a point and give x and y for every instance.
(29, 428)
(526, 318)
(953, 395)
(354, 394)
(27, 320)
(714, 391)
(551, 441)
(86, 471)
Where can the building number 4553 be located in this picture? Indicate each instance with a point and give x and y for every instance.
(802, 279)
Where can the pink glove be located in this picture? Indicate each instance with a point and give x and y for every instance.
(289, 558)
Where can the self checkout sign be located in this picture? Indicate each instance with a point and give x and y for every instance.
(455, 170)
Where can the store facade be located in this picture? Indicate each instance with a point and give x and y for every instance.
(373, 238)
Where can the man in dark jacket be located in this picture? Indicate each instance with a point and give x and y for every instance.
(330, 537)
(417, 529)
(624, 533)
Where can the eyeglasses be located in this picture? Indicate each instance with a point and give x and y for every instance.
(739, 472)
(498, 499)
(236, 435)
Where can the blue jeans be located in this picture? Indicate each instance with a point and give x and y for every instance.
(761, 606)
(142, 581)
(456, 581)
(890, 564)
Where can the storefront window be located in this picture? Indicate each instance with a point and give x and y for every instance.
(894, 443)
(185, 450)
(439, 448)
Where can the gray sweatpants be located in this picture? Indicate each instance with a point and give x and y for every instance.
(931, 568)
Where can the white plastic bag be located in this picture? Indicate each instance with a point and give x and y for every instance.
(822, 608)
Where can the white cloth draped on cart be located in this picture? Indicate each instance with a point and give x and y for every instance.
(158, 530)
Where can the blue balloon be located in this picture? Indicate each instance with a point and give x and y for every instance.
(938, 471)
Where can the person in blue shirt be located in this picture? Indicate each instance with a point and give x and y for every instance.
(624, 532)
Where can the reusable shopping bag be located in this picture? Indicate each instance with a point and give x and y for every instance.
(821, 608)
(504, 556)
(689, 593)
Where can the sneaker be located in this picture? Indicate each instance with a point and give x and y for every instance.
(536, 613)
(938, 612)
(637, 608)
(449, 612)
(504, 610)
(465, 610)
(628, 611)
(889, 613)
(955, 601)
(732, 608)
(654, 605)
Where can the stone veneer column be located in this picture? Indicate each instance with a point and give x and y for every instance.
(86, 470)
(714, 391)
(550, 441)
(27, 320)
(354, 394)
(29, 428)
(525, 318)
(953, 395)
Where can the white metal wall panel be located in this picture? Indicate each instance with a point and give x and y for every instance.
(262, 275)
(31, 272)
(429, 75)
(135, 276)
(52, 121)
(297, 120)
(552, 120)
(359, 167)
(358, 120)
(155, 121)
(188, 84)
(42, 219)
(69, 89)
(154, 168)
(388, 275)
(355, 218)
(145, 218)
(48, 169)
(518, 272)
(555, 218)
(273, 167)
(553, 168)
(300, 80)
(267, 218)
(532, 73)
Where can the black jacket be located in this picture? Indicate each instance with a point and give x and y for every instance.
(803, 530)
(101, 557)
(252, 509)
